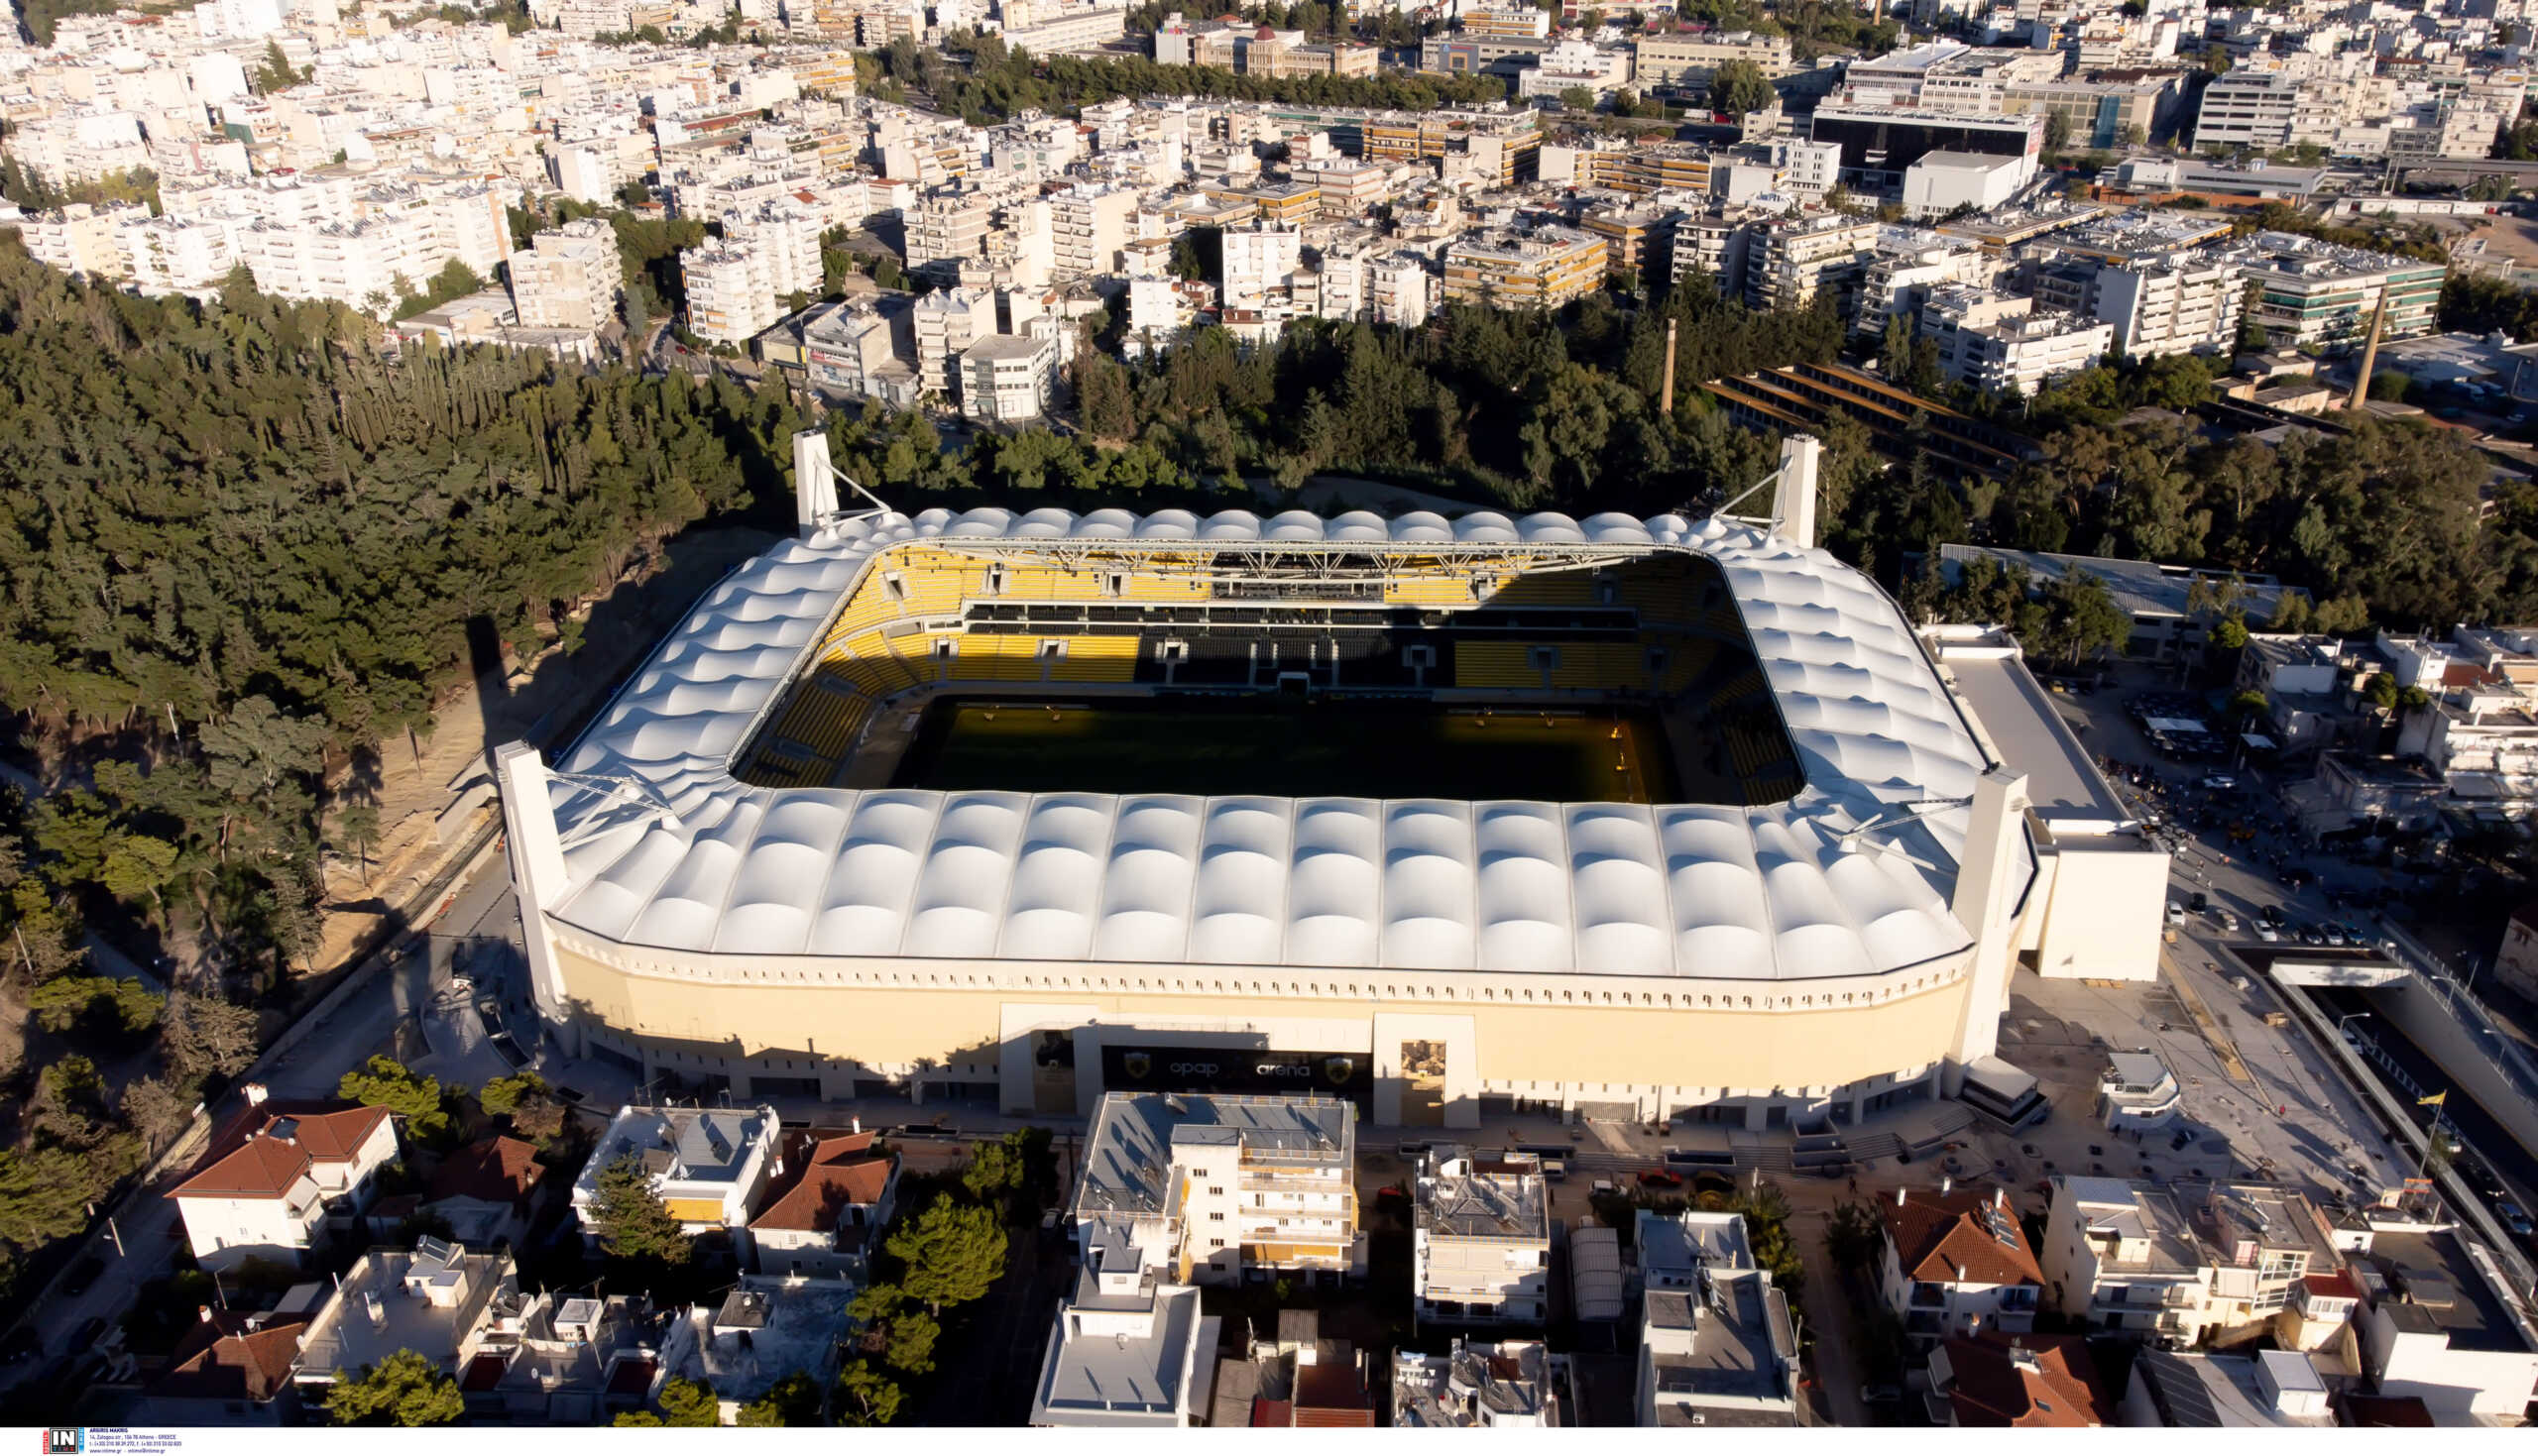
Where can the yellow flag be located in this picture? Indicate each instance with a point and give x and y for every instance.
(2437, 1099)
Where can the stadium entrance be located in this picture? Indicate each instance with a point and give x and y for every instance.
(1240, 1070)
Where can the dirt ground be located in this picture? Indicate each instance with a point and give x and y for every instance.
(413, 781)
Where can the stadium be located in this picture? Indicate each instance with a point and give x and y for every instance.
(1627, 817)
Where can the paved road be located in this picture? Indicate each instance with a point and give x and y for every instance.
(1836, 1375)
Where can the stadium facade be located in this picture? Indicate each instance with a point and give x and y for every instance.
(1841, 949)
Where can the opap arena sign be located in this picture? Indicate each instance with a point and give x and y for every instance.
(1348, 1074)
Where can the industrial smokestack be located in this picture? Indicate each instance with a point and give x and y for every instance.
(2370, 357)
(1666, 400)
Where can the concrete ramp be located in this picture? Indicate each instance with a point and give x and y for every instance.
(2338, 972)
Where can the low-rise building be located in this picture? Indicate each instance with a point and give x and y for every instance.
(709, 1166)
(487, 1191)
(279, 1174)
(564, 1360)
(763, 1331)
(1129, 1348)
(1515, 1383)
(1956, 1263)
(232, 1368)
(436, 1299)
(2137, 1093)
(2316, 295)
(568, 277)
(1943, 182)
(2031, 1381)
(829, 1200)
(1481, 1240)
(1722, 1354)
(2192, 1390)
(2441, 1322)
(2174, 1261)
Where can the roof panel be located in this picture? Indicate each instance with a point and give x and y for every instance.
(1731, 892)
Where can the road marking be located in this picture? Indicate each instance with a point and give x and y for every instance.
(2215, 1037)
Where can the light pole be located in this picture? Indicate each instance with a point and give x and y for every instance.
(2347, 1016)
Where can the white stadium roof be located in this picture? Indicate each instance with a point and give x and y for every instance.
(1728, 892)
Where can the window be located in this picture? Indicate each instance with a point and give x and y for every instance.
(1215, 1192)
(1215, 1218)
(1216, 1243)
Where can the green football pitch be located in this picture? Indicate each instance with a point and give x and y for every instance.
(1365, 749)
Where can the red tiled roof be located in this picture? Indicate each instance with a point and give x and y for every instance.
(1272, 1413)
(2336, 1285)
(246, 1161)
(1331, 1396)
(1942, 1238)
(495, 1169)
(221, 1359)
(833, 1175)
(1990, 1387)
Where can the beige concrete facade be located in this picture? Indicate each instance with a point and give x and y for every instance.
(1439, 1042)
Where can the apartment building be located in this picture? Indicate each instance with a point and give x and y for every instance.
(1502, 267)
(945, 323)
(2028, 1381)
(1908, 265)
(568, 277)
(731, 293)
(2315, 295)
(277, 1174)
(1691, 60)
(709, 1166)
(863, 351)
(2000, 342)
(948, 227)
(2185, 301)
(2247, 107)
(1791, 260)
(1956, 1263)
(1008, 379)
(2440, 1321)
(1720, 1350)
(2177, 1261)
(1506, 22)
(80, 239)
(169, 254)
(1502, 148)
(1878, 144)
(1576, 64)
(1258, 260)
(1209, 1186)
(1090, 225)
(1480, 1239)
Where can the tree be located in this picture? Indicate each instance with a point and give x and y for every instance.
(1738, 87)
(404, 1390)
(503, 1095)
(866, 1397)
(1854, 1236)
(631, 1220)
(2382, 691)
(953, 1253)
(1578, 98)
(900, 1333)
(357, 824)
(2247, 706)
(2057, 131)
(683, 1403)
(156, 1109)
(206, 1036)
(387, 1083)
(792, 1400)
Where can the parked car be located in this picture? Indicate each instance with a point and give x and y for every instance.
(2308, 936)
(2176, 913)
(2514, 1219)
(2270, 915)
(1658, 1177)
(2267, 931)
(2227, 920)
(2198, 902)
(2220, 781)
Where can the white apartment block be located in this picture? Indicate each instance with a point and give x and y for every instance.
(948, 227)
(167, 254)
(1791, 260)
(567, 277)
(2248, 108)
(947, 322)
(731, 293)
(1401, 291)
(367, 265)
(1090, 225)
(1128, 1349)
(1480, 1239)
(1008, 378)
(853, 351)
(1257, 260)
(1213, 1185)
(80, 239)
(1997, 343)
(1720, 1346)
(788, 232)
